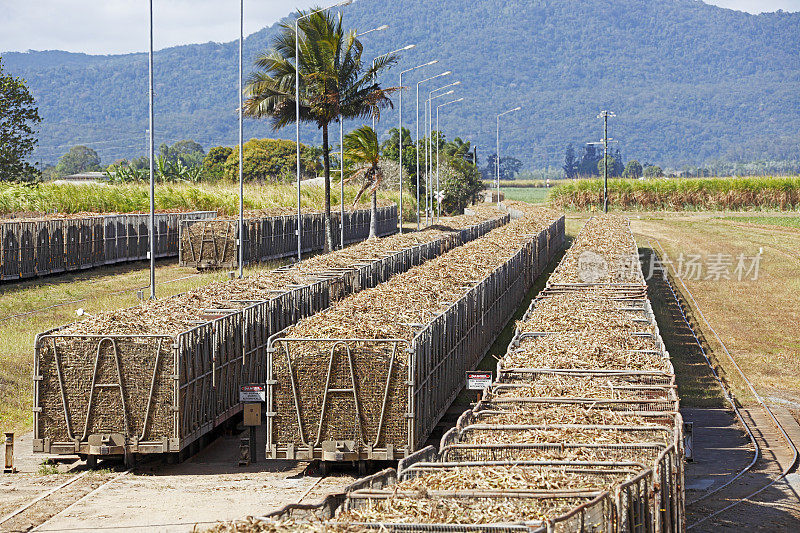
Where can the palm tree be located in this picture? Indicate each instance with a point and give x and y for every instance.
(457, 148)
(362, 152)
(333, 83)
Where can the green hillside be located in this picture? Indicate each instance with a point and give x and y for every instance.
(689, 82)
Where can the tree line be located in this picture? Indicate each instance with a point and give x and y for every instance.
(592, 163)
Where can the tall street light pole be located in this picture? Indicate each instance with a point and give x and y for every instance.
(431, 98)
(497, 163)
(241, 143)
(438, 132)
(427, 164)
(416, 116)
(152, 174)
(428, 154)
(297, 115)
(605, 116)
(341, 183)
(400, 132)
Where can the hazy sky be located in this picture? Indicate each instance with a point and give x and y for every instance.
(116, 26)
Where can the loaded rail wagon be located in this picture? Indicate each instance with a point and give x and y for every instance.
(99, 395)
(50, 245)
(581, 431)
(378, 398)
(163, 383)
(207, 244)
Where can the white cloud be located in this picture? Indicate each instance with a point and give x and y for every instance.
(757, 6)
(119, 26)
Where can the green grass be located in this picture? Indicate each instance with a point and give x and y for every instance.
(752, 193)
(756, 319)
(533, 195)
(127, 198)
(789, 222)
(510, 184)
(46, 468)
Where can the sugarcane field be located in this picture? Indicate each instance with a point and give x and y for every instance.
(452, 267)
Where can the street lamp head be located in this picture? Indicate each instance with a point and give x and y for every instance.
(409, 47)
(323, 10)
(379, 28)
(450, 102)
(448, 92)
(447, 72)
(443, 87)
(504, 113)
(417, 67)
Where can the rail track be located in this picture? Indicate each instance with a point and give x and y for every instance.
(576, 433)
(44, 506)
(73, 505)
(758, 479)
(23, 508)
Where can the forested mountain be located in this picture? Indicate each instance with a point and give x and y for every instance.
(689, 82)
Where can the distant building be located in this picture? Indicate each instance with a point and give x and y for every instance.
(85, 176)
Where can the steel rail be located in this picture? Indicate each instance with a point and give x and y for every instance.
(41, 497)
(308, 491)
(84, 497)
(759, 399)
(728, 396)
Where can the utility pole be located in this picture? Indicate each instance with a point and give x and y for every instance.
(605, 115)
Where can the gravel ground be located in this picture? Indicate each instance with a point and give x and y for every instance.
(159, 497)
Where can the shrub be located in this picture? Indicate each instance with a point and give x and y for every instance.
(271, 160)
(214, 161)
